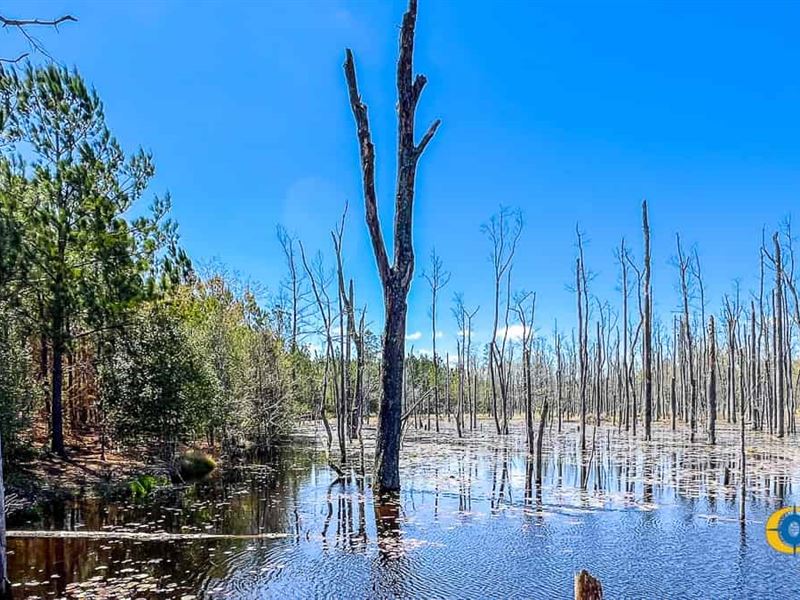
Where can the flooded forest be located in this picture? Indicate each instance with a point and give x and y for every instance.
(171, 429)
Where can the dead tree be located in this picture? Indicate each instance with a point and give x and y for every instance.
(354, 394)
(583, 334)
(673, 397)
(464, 323)
(504, 235)
(780, 383)
(623, 261)
(540, 440)
(437, 279)
(712, 382)
(318, 285)
(647, 342)
(684, 272)
(525, 311)
(295, 287)
(559, 375)
(396, 277)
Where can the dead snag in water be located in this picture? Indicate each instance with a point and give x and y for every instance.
(539, 440)
(587, 587)
(437, 279)
(683, 263)
(503, 230)
(583, 332)
(712, 382)
(779, 341)
(647, 342)
(525, 311)
(395, 278)
(318, 286)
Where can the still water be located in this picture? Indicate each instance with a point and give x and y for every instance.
(656, 520)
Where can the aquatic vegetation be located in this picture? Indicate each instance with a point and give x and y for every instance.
(143, 485)
(194, 465)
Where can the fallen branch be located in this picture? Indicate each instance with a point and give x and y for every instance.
(161, 536)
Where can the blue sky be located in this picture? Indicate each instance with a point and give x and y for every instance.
(571, 111)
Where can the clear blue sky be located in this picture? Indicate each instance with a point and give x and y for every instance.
(571, 111)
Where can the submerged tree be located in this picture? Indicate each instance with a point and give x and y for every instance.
(396, 277)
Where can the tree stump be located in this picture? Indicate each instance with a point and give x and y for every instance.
(587, 587)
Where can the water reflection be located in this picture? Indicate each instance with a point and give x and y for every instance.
(474, 520)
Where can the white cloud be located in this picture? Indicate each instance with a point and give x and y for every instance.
(439, 334)
(413, 337)
(514, 332)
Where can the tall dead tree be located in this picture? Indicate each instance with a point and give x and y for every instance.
(463, 344)
(626, 396)
(684, 272)
(712, 382)
(525, 307)
(396, 277)
(295, 286)
(437, 279)
(647, 342)
(318, 287)
(583, 333)
(503, 230)
(780, 383)
(353, 394)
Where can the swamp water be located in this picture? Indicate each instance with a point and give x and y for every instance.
(656, 520)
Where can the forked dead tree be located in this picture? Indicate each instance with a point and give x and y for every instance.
(437, 279)
(525, 307)
(396, 277)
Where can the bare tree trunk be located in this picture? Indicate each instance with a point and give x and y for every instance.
(647, 345)
(623, 258)
(396, 278)
(526, 320)
(742, 456)
(683, 267)
(780, 383)
(539, 440)
(587, 587)
(582, 341)
(673, 397)
(437, 279)
(712, 382)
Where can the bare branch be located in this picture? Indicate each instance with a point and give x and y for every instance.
(367, 150)
(427, 137)
(25, 22)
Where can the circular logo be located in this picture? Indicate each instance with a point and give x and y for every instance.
(783, 530)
